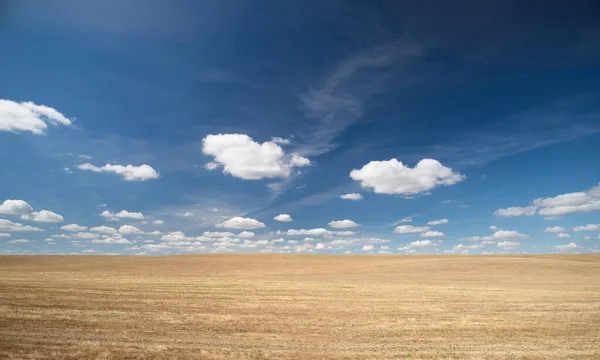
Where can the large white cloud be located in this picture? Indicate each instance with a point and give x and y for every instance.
(508, 245)
(27, 116)
(22, 208)
(242, 223)
(432, 234)
(7, 225)
(306, 232)
(43, 216)
(352, 196)
(409, 229)
(393, 177)
(244, 158)
(566, 247)
(123, 214)
(570, 203)
(343, 224)
(15, 207)
(128, 172)
(283, 218)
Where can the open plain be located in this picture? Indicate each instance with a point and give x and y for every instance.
(300, 307)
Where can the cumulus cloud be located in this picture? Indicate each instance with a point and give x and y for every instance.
(418, 244)
(554, 207)
(104, 230)
(393, 177)
(185, 214)
(246, 234)
(320, 246)
(123, 214)
(130, 230)
(438, 222)
(555, 229)
(508, 245)
(283, 218)
(244, 158)
(242, 223)
(7, 225)
(158, 222)
(86, 235)
(409, 229)
(566, 247)
(368, 247)
(5, 235)
(516, 211)
(129, 172)
(588, 227)
(352, 196)
(15, 207)
(345, 233)
(27, 116)
(343, 224)
(432, 234)
(73, 227)
(43, 216)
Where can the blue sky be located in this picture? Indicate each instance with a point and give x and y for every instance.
(166, 127)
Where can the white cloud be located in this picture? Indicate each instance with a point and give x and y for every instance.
(308, 232)
(27, 116)
(43, 216)
(368, 247)
(422, 243)
(212, 234)
(111, 240)
(244, 158)
(175, 236)
(566, 247)
(5, 235)
(210, 166)
(104, 230)
(158, 222)
(499, 236)
(7, 225)
(438, 222)
(242, 223)
(343, 224)
(352, 196)
(86, 235)
(246, 234)
(345, 233)
(73, 227)
(123, 214)
(404, 220)
(516, 211)
(155, 233)
(15, 207)
(19, 241)
(508, 245)
(283, 218)
(563, 236)
(393, 177)
(554, 207)
(588, 227)
(128, 229)
(320, 246)
(432, 234)
(555, 229)
(304, 248)
(409, 229)
(128, 172)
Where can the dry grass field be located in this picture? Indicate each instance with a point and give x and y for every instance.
(300, 307)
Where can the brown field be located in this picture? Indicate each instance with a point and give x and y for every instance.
(300, 307)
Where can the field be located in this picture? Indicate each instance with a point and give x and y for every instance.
(300, 307)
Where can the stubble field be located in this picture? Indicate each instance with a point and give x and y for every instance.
(300, 307)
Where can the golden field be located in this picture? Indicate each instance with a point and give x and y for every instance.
(300, 307)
